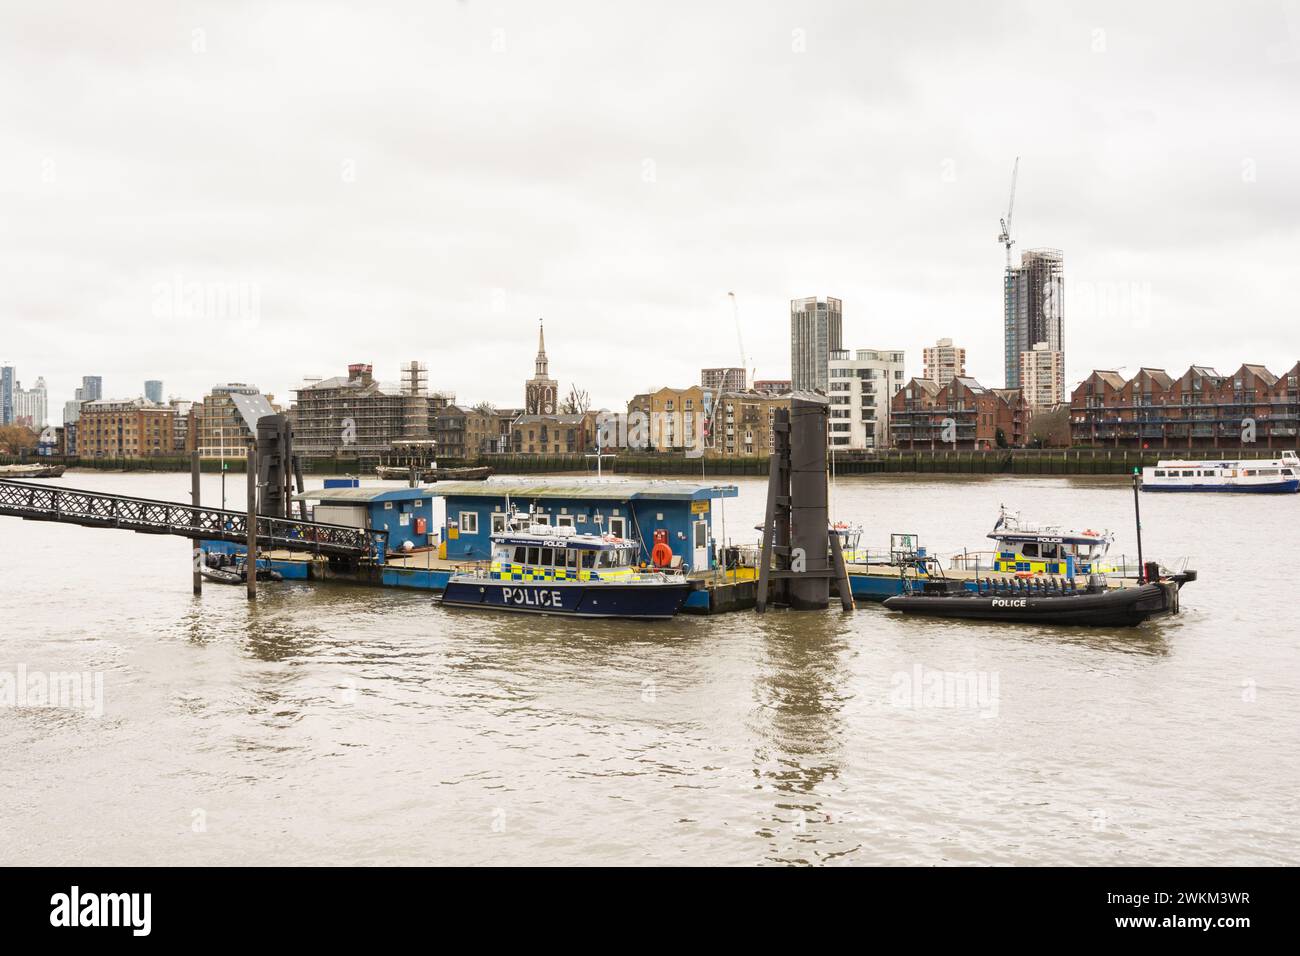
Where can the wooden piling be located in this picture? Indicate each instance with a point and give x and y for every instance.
(196, 552)
(250, 558)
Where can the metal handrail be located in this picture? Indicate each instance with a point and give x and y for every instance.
(98, 509)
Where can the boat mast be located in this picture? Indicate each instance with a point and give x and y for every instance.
(1137, 517)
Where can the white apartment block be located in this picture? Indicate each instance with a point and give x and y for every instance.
(943, 361)
(862, 383)
(1042, 376)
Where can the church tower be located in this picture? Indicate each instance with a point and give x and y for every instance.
(541, 393)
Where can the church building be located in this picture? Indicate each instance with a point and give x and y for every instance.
(541, 392)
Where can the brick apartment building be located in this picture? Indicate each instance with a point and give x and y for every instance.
(126, 428)
(962, 415)
(1200, 409)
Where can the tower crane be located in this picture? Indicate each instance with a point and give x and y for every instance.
(1005, 236)
(740, 338)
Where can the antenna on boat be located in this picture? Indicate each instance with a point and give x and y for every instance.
(1137, 517)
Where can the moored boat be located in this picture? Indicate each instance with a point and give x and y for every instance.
(400, 472)
(1024, 547)
(1280, 475)
(1050, 601)
(32, 471)
(552, 570)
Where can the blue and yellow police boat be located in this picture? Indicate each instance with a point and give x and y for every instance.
(552, 570)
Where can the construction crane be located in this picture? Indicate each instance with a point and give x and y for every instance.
(1005, 236)
(740, 339)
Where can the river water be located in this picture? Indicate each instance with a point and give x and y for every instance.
(340, 724)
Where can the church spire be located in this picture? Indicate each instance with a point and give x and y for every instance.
(541, 349)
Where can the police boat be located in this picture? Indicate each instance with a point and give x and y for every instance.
(1022, 547)
(540, 569)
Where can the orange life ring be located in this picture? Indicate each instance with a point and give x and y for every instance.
(661, 555)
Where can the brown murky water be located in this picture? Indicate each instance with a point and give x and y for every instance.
(347, 725)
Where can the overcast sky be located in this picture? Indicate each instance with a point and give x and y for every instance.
(382, 182)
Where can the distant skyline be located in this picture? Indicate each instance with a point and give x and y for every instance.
(332, 185)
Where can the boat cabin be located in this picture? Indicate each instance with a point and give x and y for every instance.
(544, 553)
(1044, 549)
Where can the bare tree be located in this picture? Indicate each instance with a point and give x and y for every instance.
(577, 402)
(485, 408)
(1050, 428)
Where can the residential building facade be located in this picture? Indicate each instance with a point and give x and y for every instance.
(943, 361)
(862, 386)
(675, 416)
(773, 386)
(31, 405)
(742, 424)
(554, 434)
(816, 330)
(960, 416)
(1202, 408)
(226, 420)
(124, 428)
(449, 431)
(1033, 307)
(724, 379)
(1042, 376)
(8, 385)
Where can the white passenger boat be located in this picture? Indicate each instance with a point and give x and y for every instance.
(1280, 475)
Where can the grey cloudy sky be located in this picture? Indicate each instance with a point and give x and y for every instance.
(381, 182)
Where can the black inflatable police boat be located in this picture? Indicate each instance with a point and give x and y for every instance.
(1045, 601)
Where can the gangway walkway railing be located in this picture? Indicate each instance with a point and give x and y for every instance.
(96, 509)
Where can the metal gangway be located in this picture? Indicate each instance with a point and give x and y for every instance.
(97, 509)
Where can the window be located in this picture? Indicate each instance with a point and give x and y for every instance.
(468, 522)
(521, 555)
(1030, 550)
(534, 556)
(548, 556)
(564, 521)
(388, 506)
(571, 558)
(618, 527)
(589, 559)
(498, 522)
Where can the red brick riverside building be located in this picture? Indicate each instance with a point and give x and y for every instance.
(1201, 409)
(962, 415)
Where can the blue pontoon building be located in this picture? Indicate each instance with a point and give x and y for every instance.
(628, 508)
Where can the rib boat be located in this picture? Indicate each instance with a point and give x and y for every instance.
(1045, 601)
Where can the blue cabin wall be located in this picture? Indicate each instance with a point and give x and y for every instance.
(389, 519)
(641, 518)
